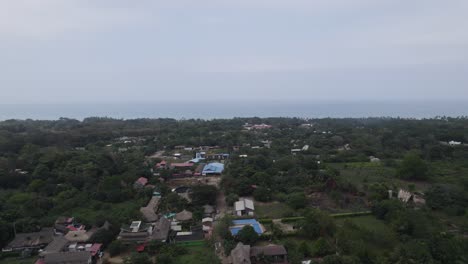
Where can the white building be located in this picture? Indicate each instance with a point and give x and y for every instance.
(244, 207)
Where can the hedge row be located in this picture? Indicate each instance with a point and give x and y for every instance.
(294, 219)
(192, 243)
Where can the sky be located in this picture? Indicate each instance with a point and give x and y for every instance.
(70, 51)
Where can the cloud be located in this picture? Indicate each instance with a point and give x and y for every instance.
(44, 18)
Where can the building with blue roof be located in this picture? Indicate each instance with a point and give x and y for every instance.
(214, 168)
(237, 225)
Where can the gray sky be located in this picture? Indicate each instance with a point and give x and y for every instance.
(153, 50)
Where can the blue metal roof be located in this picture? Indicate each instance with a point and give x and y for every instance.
(239, 224)
(214, 167)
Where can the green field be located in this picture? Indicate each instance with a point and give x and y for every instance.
(273, 210)
(198, 255)
(379, 236)
(18, 260)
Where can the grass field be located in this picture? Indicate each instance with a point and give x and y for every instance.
(272, 210)
(380, 236)
(198, 255)
(30, 260)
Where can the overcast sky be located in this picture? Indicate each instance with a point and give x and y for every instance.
(153, 50)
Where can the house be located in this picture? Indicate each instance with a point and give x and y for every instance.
(57, 245)
(217, 156)
(140, 183)
(161, 165)
(149, 211)
(240, 254)
(245, 254)
(31, 241)
(199, 157)
(208, 210)
(184, 216)
(193, 235)
(295, 151)
(207, 224)
(214, 168)
(181, 165)
(80, 236)
(175, 226)
(275, 254)
(257, 126)
(63, 224)
(413, 198)
(161, 230)
(136, 232)
(237, 226)
(80, 257)
(454, 143)
(374, 159)
(244, 207)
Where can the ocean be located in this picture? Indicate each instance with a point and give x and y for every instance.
(211, 110)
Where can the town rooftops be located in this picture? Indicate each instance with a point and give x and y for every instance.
(81, 257)
(31, 240)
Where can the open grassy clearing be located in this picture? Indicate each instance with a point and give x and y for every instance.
(362, 173)
(379, 236)
(273, 210)
(198, 254)
(17, 260)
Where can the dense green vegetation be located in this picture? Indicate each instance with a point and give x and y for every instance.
(86, 170)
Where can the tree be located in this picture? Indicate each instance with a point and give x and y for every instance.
(297, 200)
(414, 251)
(115, 248)
(334, 259)
(448, 197)
(204, 194)
(231, 199)
(262, 194)
(413, 168)
(247, 235)
(316, 224)
(321, 248)
(138, 258)
(304, 249)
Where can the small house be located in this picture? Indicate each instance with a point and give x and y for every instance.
(184, 216)
(244, 207)
(31, 241)
(140, 183)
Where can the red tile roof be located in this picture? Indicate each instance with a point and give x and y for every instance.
(142, 180)
(181, 165)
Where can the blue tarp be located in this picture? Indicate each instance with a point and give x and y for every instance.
(239, 224)
(213, 168)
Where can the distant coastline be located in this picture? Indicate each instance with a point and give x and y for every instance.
(211, 110)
